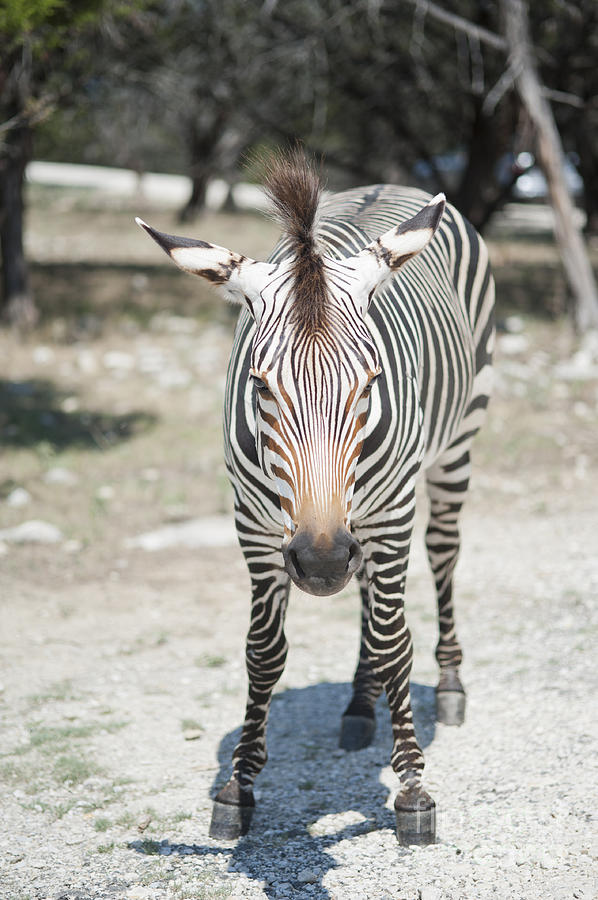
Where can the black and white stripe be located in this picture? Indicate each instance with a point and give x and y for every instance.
(328, 425)
(432, 326)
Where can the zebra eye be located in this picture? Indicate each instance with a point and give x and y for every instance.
(261, 386)
(368, 388)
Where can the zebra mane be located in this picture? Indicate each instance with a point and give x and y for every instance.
(294, 188)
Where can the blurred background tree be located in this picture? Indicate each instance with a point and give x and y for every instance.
(567, 41)
(46, 49)
(410, 91)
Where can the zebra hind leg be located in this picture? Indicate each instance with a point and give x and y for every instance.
(443, 543)
(358, 724)
(266, 652)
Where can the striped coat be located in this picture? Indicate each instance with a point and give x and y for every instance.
(361, 359)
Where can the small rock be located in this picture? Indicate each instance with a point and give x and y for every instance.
(60, 475)
(176, 512)
(42, 356)
(117, 359)
(33, 532)
(179, 325)
(19, 497)
(105, 492)
(582, 366)
(139, 282)
(144, 823)
(581, 410)
(150, 474)
(307, 876)
(151, 360)
(283, 889)
(192, 734)
(211, 531)
(514, 324)
(87, 362)
(69, 405)
(174, 378)
(513, 343)
(138, 892)
(430, 893)
(72, 546)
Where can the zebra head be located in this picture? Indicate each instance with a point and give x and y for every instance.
(313, 364)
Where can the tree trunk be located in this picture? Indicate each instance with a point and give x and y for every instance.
(18, 307)
(550, 157)
(197, 198)
(480, 194)
(588, 168)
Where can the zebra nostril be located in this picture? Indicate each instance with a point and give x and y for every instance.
(295, 563)
(354, 556)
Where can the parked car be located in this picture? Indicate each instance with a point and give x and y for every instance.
(530, 185)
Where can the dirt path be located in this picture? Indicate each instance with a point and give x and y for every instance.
(103, 681)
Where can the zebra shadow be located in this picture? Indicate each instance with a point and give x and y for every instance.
(312, 795)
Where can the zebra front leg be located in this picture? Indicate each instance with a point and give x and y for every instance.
(389, 648)
(389, 644)
(443, 544)
(265, 657)
(358, 724)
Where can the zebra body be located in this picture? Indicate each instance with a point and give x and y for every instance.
(331, 412)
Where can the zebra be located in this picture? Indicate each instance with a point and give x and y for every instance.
(361, 358)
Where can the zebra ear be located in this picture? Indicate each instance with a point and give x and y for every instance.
(237, 277)
(384, 256)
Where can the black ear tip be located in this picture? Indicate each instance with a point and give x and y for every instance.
(166, 241)
(428, 217)
(437, 206)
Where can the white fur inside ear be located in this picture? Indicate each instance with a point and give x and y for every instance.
(408, 243)
(200, 259)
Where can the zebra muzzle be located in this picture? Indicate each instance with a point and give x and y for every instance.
(322, 564)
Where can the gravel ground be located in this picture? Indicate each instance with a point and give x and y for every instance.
(120, 713)
(122, 680)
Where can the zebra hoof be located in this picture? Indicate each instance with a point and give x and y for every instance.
(450, 707)
(357, 732)
(415, 813)
(231, 812)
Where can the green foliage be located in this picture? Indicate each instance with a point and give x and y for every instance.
(106, 848)
(46, 23)
(19, 17)
(209, 661)
(70, 769)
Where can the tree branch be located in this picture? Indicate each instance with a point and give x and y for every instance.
(460, 24)
(551, 159)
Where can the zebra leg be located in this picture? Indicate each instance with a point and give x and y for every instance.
(389, 647)
(265, 657)
(447, 487)
(358, 724)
